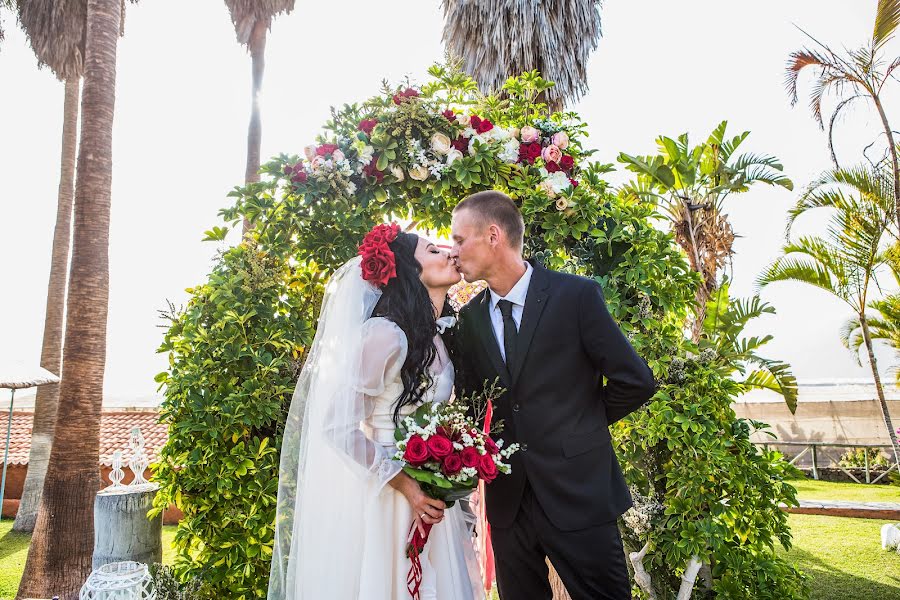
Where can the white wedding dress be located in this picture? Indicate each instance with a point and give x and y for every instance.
(450, 570)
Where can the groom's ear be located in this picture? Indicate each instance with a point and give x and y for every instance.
(495, 234)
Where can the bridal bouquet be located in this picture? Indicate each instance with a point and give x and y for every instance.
(443, 448)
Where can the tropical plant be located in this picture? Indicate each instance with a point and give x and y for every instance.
(845, 261)
(858, 74)
(412, 153)
(59, 557)
(723, 327)
(59, 44)
(690, 184)
(252, 20)
(497, 40)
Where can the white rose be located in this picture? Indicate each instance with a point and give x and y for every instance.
(418, 172)
(464, 120)
(310, 152)
(337, 156)
(559, 181)
(453, 155)
(440, 143)
(510, 152)
(397, 172)
(547, 188)
(562, 204)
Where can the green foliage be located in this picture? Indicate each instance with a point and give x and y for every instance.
(861, 457)
(236, 349)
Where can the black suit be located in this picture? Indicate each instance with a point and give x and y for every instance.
(566, 488)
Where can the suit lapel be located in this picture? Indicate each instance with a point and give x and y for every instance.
(535, 301)
(485, 330)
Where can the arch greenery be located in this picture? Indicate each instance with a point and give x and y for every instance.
(703, 489)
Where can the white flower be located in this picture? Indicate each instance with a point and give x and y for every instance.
(560, 181)
(510, 152)
(453, 155)
(547, 187)
(440, 144)
(397, 172)
(464, 120)
(562, 204)
(351, 188)
(418, 172)
(365, 154)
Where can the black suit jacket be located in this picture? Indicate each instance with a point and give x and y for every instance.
(556, 406)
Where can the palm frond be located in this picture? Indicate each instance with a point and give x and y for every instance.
(56, 31)
(887, 18)
(498, 39)
(799, 60)
(245, 14)
(776, 376)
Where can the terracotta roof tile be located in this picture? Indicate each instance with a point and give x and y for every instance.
(115, 431)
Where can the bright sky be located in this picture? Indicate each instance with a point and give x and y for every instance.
(182, 110)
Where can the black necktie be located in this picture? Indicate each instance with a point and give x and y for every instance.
(510, 333)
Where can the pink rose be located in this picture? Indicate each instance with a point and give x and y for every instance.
(529, 134)
(551, 154)
(560, 140)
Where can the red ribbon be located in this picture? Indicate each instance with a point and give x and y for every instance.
(413, 549)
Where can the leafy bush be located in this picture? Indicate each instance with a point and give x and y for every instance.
(856, 458)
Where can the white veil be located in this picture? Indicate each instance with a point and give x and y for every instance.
(325, 458)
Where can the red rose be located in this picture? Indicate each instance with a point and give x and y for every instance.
(452, 464)
(481, 125)
(573, 182)
(449, 115)
(326, 149)
(461, 144)
(529, 152)
(491, 446)
(566, 162)
(552, 167)
(487, 468)
(378, 266)
(367, 125)
(405, 94)
(439, 446)
(299, 177)
(370, 170)
(416, 452)
(470, 457)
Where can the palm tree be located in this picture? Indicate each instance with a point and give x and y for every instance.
(723, 328)
(252, 20)
(496, 40)
(59, 557)
(858, 74)
(59, 44)
(691, 184)
(845, 261)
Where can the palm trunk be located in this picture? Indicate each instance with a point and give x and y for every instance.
(51, 350)
(892, 434)
(59, 558)
(894, 161)
(257, 46)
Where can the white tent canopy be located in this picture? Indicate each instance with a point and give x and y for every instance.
(17, 375)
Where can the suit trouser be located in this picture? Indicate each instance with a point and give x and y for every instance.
(590, 562)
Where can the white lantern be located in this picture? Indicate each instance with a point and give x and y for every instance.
(127, 580)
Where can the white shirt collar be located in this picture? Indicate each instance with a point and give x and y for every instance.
(518, 293)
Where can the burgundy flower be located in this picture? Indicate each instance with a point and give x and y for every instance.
(439, 446)
(326, 149)
(371, 170)
(552, 167)
(491, 447)
(449, 115)
(573, 182)
(481, 125)
(567, 162)
(367, 125)
(470, 457)
(451, 465)
(461, 144)
(529, 152)
(405, 95)
(416, 453)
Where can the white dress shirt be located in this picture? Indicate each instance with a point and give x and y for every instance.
(517, 296)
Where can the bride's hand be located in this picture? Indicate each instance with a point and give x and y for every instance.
(425, 508)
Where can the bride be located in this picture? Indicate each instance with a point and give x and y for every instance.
(345, 508)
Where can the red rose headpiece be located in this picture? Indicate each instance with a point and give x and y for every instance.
(378, 262)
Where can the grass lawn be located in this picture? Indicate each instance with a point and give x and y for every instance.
(14, 551)
(810, 489)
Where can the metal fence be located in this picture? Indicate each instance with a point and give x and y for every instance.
(818, 449)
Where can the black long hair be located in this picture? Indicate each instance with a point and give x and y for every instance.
(405, 301)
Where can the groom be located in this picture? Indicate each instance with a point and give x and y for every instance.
(552, 342)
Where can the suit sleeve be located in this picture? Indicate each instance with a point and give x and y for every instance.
(630, 381)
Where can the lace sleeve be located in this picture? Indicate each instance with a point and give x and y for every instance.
(383, 353)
